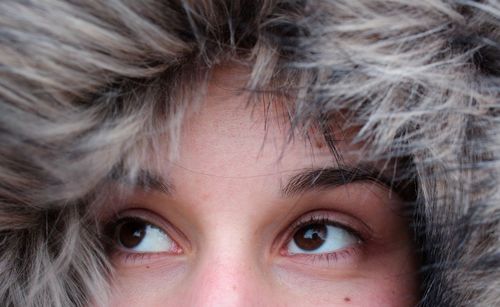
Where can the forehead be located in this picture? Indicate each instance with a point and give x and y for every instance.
(231, 136)
(233, 150)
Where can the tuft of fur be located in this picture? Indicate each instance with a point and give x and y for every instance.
(88, 86)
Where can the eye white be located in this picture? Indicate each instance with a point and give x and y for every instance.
(336, 238)
(155, 240)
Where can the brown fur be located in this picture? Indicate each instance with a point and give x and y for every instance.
(86, 86)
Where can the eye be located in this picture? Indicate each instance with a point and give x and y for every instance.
(320, 238)
(139, 236)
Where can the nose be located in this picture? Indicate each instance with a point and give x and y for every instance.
(227, 272)
(228, 277)
(226, 280)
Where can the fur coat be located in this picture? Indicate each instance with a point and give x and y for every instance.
(85, 84)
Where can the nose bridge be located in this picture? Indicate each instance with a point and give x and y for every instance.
(226, 271)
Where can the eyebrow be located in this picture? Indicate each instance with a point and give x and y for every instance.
(143, 179)
(305, 181)
(331, 177)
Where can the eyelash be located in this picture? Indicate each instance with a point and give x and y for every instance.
(130, 257)
(114, 249)
(323, 218)
(329, 258)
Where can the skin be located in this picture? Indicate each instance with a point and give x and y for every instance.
(231, 221)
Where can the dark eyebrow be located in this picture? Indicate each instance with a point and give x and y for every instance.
(331, 177)
(143, 179)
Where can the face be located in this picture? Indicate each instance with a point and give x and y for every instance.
(246, 217)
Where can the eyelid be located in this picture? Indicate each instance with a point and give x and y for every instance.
(154, 219)
(338, 219)
(338, 258)
(355, 226)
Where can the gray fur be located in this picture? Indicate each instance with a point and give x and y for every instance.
(86, 86)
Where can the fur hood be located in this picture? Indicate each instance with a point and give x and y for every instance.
(85, 86)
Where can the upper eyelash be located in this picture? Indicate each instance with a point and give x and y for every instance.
(313, 219)
(111, 227)
(149, 217)
(117, 219)
(126, 255)
(331, 257)
(323, 218)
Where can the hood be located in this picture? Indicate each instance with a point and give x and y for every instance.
(420, 78)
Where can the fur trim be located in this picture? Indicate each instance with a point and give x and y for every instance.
(85, 87)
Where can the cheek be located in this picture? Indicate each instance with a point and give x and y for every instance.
(146, 285)
(387, 278)
(370, 291)
(165, 288)
(156, 286)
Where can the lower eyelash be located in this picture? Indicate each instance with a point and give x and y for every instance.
(326, 258)
(346, 254)
(111, 226)
(334, 256)
(129, 258)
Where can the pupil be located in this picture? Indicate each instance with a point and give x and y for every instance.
(131, 233)
(310, 237)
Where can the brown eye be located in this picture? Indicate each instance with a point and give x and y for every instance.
(139, 235)
(321, 238)
(310, 237)
(131, 233)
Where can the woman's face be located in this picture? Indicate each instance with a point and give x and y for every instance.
(246, 218)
